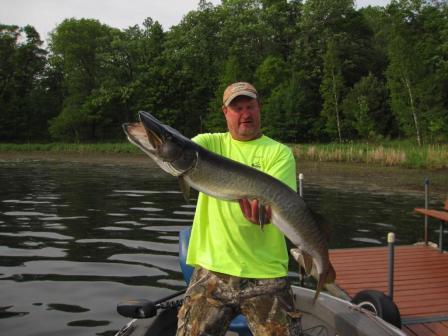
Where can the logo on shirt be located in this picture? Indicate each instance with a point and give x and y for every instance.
(256, 163)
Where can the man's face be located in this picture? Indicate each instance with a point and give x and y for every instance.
(243, 118)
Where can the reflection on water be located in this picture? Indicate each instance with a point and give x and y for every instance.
(76, 239)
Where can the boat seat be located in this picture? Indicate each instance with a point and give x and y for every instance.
(239, 323)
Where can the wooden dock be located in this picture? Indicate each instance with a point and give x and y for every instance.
(420, 282)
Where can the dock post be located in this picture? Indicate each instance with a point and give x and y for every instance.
(301, 185)
(302, 271)
(426, 208)
(390, 273)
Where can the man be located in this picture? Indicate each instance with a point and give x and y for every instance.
(240, 268)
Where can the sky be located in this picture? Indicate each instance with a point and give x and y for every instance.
(45, 15)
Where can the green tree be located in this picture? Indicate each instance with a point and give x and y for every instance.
(79, 45)
(22, 67)
(332, 89)
(192, 59)
(415, 75)
(332, 53)
(366, 109)
(131, 76)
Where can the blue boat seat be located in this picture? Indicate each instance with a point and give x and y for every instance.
(239, 323)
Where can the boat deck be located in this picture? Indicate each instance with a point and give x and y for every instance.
(420, 282)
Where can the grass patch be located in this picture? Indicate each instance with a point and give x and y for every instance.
(119, 147)
(400, 154)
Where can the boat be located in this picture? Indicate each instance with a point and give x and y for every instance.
(327, 316)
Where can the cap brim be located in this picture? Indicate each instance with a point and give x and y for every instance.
(240, 93)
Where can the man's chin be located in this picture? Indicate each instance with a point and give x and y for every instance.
(249, 133)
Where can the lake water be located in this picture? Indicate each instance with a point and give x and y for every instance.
(75, 239)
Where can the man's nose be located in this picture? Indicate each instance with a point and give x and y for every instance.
(246, 111)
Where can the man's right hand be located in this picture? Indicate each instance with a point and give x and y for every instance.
(251, 212)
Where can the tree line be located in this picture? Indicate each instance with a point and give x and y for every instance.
(325, 71)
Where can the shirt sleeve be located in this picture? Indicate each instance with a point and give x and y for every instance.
(283, 167)
(203, 140)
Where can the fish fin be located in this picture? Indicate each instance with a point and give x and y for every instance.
(303, 259)
(185, 188)
(261, 215)
(331, 275)
(325, 278)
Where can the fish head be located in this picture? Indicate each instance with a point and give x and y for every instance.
(172, 151)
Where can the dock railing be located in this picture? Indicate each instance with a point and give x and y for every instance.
(441, 215)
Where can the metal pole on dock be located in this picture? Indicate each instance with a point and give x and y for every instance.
(390, 273)
(301, 185)
(426, 208)
(302, 271)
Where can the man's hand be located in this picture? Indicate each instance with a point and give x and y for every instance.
(251, 210)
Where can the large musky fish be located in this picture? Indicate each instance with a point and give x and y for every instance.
(226, 179)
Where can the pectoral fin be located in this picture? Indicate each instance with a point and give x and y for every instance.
(185, 188)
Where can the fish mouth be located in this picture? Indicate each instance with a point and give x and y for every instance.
(155, 131)
(155, 138)
(148, 134)
(162, 143)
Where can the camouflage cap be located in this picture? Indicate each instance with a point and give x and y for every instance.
(238, 89)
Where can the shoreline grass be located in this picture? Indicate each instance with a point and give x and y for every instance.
(81, 148)
(388, 154)
(397, 154)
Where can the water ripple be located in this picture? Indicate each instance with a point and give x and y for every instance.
(129, 223)
(47, 252)
(53, 218)
(166, 228)
(79, 269)
(26, 202)
(188, 213)
(367, 240)
(151, 219)
(148, 209)
(26, 213)
(113, 228)
(134, 244)
(163, 261)
(148, 192)
(48, 235)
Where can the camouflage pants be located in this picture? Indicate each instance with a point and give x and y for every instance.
(214, 299)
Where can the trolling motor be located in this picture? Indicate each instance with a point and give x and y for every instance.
(142, 308)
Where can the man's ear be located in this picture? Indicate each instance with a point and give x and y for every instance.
(224, 109)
